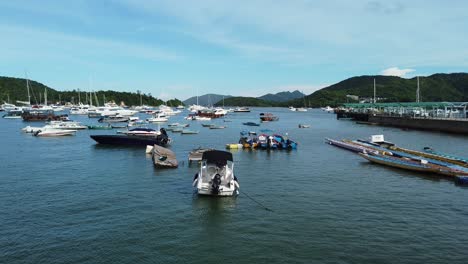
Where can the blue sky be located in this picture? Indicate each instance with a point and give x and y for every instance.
(250, 48)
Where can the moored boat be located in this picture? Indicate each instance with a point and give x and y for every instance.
(268, 117)
(250, 124)
(216, 175)
(54, 133)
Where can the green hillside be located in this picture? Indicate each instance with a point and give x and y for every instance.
(435, 88)
(246, 101)
(15, 89)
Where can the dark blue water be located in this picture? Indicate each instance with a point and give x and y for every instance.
(68, 200)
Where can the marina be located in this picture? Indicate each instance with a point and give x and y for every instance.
(316, 184)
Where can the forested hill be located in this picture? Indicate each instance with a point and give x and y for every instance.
(451, 87)
(15, 89)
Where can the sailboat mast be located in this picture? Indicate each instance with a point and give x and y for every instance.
(27, 86)
(45, 96)
(79, 98)
(417, 91)
(374, 92)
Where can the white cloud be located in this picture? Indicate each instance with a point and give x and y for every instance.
(395, 71)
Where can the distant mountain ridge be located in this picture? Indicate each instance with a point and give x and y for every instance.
(14, 89)
(282, 96)
(206, 100)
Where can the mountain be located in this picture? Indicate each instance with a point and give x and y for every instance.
(207, 99)
(246, 101)
(15, 89)
(282, 96)
(439, 87)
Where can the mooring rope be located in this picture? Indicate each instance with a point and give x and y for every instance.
(259, 203)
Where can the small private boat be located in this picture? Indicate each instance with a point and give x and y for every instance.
(217, 127)
(68, 125)
(189, 132)
(96, 127)
(446, 156)
(304, 126)
(178, 125)
(163, 157)
(250, 124)
(131, 140)
(242, 110)
(113, 119)
(216, 175)
(50, 132)
(206, 125)
(268, 117)
(140, 131)
(159, 118)
(13, 114)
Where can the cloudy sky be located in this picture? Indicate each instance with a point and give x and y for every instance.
(180, 48)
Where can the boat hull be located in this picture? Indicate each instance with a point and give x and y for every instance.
(121, 140)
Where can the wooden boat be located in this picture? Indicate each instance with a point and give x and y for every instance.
(408, 164)
(189, 132)
(196, 154)
(349, 146)
(163, 157)
(99, 127)
(451, 157)
(217, 127)
(42, 116)
(250, 124)
(431, 156)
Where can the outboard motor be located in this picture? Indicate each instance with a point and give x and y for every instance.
(215, 184)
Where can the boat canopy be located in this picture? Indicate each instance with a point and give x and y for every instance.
(217, 156)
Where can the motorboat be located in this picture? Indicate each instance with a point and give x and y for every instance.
(13, 114)
(140, 131)
(267, 117)
(50, 132)
(328, 109)
(99, 127)
(113, 119)
(67, 125)
(196, 154)
(250, 124)
(242, 110)
(216, 175)
(202, 118)
(188, 131)
(133, 140)
(163, 157)
(159, 118)
(217, 127)
(304, 126)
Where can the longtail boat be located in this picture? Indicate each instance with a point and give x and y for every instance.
(345, 145)
(432, 156)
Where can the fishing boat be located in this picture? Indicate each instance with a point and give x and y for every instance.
(267, 117)
(304, 126)
(250, 124)
(188, 131)
(216, 175)
(163, 157)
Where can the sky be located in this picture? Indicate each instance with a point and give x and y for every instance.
(178, 49)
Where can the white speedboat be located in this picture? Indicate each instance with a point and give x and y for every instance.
(158, 119)
(216, 175)
(50, 132)
(68, 125)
